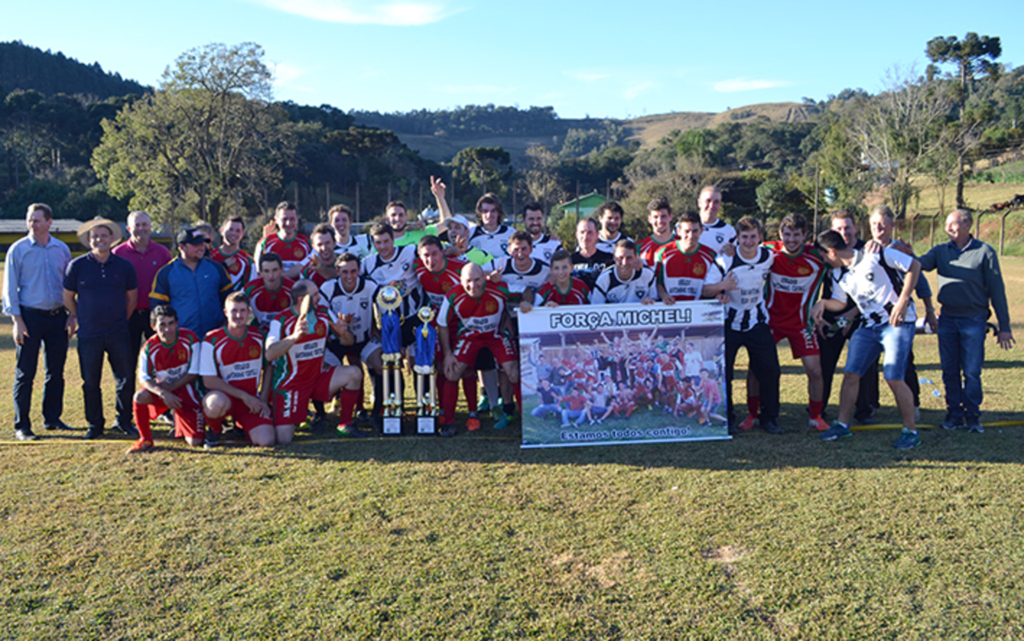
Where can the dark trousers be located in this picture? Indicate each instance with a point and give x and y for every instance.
(117, 346)
(50, 332)
(764, 363)
(867, 397)
(139, 329)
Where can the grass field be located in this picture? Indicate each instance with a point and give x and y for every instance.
(761, 537)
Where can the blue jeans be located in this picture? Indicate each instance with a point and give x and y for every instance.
(48, 331)
(962, 352)
(867, 344)
(542, 411)
(117, 345)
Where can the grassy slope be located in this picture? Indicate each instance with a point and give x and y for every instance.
(761, 537)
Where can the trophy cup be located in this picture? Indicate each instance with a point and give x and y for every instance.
(427, 408)
(389, 300)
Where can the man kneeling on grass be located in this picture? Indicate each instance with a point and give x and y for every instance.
(168, 368)
(881, 284)
(295, 345)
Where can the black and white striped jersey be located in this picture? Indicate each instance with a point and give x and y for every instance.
(717, 234)
(494, 243)
(609, 245)
(874, 282)
(746, 307)
(517, 281)
(358, 302)
(609, 288)
(545, 247)
(359, 244)
(400, 270)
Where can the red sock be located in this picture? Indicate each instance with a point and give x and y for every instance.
(449, 398)
(141, 413)
(753, 405)
(816, 407)
(349, 398)
(469, 391)
(216, 425)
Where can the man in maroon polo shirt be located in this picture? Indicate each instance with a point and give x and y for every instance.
(147, 258)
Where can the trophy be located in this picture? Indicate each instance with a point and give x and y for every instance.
(427, 408)
(389, 319)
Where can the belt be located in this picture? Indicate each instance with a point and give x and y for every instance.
(48, 312)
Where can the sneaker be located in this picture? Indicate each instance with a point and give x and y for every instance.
(140, 446)
(749, 423)
(974, 425)
(447, 431)
(836, 432)
(362, 416)
(484, 406)
(502, 419)
(816, 422)
(772, 427)
(952, 422)
(59, 425)
(127, 429)
(24, 435)
(93, 433)
(319, 424)
(211, 441)
(350, 431)
(472, 424)
(908, 439)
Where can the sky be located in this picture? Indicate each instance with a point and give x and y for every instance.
(597, 59)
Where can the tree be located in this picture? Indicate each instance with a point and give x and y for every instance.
(208, 137)
(484, 167)
(974, 55)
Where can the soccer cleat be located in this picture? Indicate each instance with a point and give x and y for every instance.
(211, 441)
(837, 431)
(818, 423)
(319, 424)
(749, 423)
(350, 431)
(472, 424)
(484, 406)
(447, 431)
(140, 446)
(952, 422)
(362, 416)
(908, 439)
(502, 419)
(974, 425)
(24, 435)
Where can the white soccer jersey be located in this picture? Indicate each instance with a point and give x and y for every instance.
(609, 245)
(717, 234)
(359, 303)
(400, 270)
(359, 244)
(746, 306)
(874, 282)
(545, 247)
(494, 243)
(609, 288)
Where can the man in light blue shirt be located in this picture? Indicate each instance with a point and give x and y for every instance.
(34, 297)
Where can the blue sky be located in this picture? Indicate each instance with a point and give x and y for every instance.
(599, 58)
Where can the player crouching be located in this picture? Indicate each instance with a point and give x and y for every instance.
(168, 368)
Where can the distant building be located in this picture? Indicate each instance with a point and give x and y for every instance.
(587, 204)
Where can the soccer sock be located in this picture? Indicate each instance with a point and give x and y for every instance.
(816, 407)
(490, 378)
(216, 425)
(508, 408)
(469, 391)
(449, 398)
(378, 394)
(349, 398)
(318, 407)
(141, 413)
(753, 405)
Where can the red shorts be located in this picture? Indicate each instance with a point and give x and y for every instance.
(188, 419)
(244, 419)
(290, 404)
(802, 342)
(466, 348)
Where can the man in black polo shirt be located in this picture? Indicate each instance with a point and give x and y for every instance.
(102, 290)
(588, 261)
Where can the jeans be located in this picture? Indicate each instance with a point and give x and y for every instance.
(542, 411)
(568, 415)
(49, 331)
(867, 343)
(962, 352)
(117, 346)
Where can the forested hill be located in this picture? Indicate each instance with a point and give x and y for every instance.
(24, 67)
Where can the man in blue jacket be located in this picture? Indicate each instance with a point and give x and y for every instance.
(193, 284)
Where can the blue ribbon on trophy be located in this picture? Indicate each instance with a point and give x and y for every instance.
(426, 375)
(389, 319)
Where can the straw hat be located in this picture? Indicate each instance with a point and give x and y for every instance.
(83, 231)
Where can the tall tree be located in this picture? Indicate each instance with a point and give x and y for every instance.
(973, 56)
(208, 137)
(486, 168)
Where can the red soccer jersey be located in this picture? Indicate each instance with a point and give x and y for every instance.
(237, 361)
(292, 252)
(267, 304)
(475, 316)
(167, 363)
(684, 275)
(793, 286)
(241, 270)
(577, 294)
(301, 365)
(310, 273)
(648, 248)
(437, 285)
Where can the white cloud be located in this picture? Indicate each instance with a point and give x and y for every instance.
(286, 74)
(742, 84)
(586, 77)
(393, 14)
(636, 90)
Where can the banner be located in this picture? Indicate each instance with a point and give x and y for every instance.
(602, 375)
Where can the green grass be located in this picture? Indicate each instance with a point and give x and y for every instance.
(474, 538)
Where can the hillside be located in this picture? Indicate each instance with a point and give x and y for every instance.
(24, 67)
(650, 129)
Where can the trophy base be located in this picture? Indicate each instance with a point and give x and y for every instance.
(426, 424)
(392, 425)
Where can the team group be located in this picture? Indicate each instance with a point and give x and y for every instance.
(218, 333)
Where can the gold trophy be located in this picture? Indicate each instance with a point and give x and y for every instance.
(389, 320)
(427, 407)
